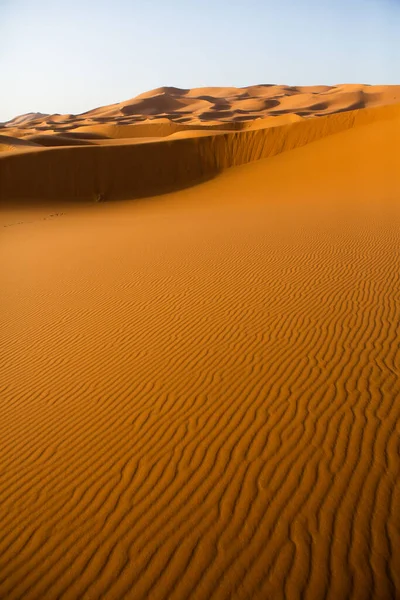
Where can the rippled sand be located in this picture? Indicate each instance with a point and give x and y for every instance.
(200, 391)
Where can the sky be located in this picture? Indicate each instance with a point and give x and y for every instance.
(59, 56)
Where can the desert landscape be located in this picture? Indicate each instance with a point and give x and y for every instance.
(200, 365)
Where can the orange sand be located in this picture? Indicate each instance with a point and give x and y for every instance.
(199, 392)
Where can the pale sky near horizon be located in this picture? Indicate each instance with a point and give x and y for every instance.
(69, 57)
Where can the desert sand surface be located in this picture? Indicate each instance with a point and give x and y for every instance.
(200, 390)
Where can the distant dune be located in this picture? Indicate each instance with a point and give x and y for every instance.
(204, 106)
(105, 153)
(199, 390)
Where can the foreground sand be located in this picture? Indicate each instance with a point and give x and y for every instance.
(200, 391)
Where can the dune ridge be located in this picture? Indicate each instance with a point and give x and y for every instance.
(199, 394)
(193, 121)
(136, 170)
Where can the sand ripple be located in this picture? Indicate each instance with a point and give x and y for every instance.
(200, 393)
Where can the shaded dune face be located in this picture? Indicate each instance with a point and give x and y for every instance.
(199, 393)
(116, 161)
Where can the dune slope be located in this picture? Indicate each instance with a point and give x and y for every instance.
(137, 170)
(199, 393)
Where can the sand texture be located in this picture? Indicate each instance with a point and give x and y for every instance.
(200, 390)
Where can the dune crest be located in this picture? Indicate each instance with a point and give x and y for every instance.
(122, 169)
(171, 138)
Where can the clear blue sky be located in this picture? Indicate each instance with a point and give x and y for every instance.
(70, 56)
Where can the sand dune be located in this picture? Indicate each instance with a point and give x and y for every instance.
(199, 391)
(168, 110)
(8, 144)
(127, 170)
(119, 151)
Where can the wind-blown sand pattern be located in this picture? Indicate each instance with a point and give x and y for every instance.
(200, 390)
